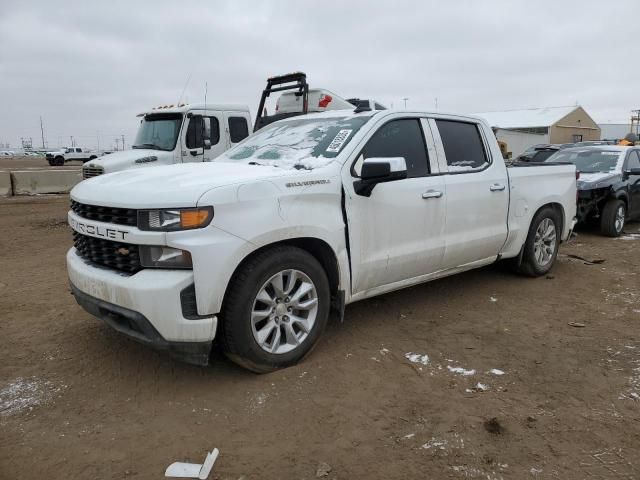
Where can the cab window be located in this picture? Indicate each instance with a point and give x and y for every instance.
(398, 138)
(463, 146)
(238, 129)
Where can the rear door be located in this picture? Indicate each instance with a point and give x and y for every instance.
(477, 193)
(397, 233)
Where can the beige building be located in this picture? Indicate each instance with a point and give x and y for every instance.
(521, 129)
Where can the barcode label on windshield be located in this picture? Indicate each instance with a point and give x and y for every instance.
(338, 141)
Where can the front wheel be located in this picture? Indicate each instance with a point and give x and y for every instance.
(541, 246)
(58, 161)
(612, 218)
(275, 310)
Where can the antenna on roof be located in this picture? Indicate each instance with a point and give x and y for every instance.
(184, 88)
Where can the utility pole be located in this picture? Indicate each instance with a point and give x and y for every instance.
(122, 142)
(436, 104)
(405, 101)
(72, 144)
(42, 132)
(117, 143)
(98, 139)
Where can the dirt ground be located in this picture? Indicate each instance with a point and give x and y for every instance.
(27, 163)
(79, 401)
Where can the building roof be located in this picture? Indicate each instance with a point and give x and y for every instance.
(528, 118)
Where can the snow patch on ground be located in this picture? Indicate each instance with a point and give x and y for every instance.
(480, 387)
(461, 371)
(630, 236)
(417, 358)
(495, 371)
(472, 472)
(25, 393)
(257, 401)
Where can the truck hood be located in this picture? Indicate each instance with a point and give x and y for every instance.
(169, 186)
(590, 181)
(135, 158)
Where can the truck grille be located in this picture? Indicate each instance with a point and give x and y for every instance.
(120, 256)
(89, 171)
(119, 216)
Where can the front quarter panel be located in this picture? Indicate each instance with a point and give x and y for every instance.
(255, 214)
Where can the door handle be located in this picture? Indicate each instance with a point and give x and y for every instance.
(497, 187)
(431, 194)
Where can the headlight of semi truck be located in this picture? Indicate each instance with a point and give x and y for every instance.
(174, 219)
(164, 257)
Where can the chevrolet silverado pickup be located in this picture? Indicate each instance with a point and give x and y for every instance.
(307, 215)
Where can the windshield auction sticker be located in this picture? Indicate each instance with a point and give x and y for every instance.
(339, 140)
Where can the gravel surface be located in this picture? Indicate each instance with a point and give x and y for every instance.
(554, 390)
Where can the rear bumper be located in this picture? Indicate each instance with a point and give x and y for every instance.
(138, 327)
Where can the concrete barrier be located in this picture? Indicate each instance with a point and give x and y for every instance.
(5, 184)
(32, 182)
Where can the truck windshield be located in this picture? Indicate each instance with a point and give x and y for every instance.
(158, 131)
(589, 161)
(305, 143)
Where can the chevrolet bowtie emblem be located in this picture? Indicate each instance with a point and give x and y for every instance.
(123, 251)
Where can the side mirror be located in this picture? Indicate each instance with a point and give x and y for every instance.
(632, 171)
(379, 170)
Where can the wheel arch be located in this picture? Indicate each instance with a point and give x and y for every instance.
(317, 248)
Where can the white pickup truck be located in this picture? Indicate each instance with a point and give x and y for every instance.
(305, 216)
(59, 157)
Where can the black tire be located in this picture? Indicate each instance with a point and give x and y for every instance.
(58, 161)
(610, 223)
(51, 162)
(237, 338)
(530, 265)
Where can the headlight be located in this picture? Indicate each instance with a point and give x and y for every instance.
(174, 219)
(164, 257)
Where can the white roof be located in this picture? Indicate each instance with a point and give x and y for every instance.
(182, 108)
(528, 118)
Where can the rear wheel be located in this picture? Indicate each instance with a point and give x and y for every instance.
(612, 218)
(541, 247)
(276, 308)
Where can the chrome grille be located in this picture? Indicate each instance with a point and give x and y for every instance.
(89, 171)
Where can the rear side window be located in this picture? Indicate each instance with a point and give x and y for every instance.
(398, 138)
(238, 129)
(462, 145)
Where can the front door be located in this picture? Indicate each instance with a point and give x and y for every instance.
(397, 233)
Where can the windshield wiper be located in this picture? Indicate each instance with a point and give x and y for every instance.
(152, 146)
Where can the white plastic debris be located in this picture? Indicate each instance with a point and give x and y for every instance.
(193, 470)
(495, 371)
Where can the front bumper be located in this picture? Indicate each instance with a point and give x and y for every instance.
(147, 306)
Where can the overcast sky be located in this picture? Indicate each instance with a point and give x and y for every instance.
(89, 67)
